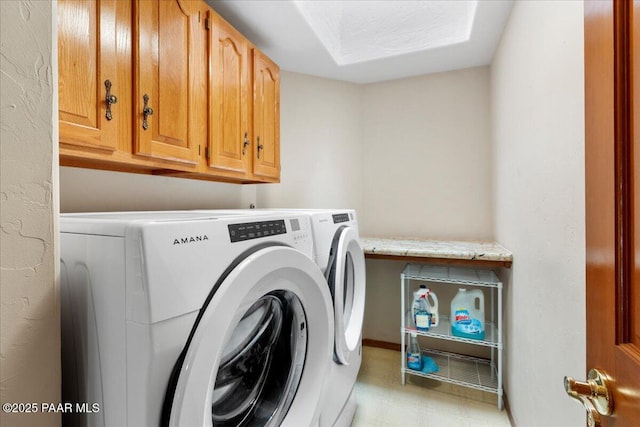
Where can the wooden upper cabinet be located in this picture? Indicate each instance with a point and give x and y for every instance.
(168, 76)
(90, 42)
(230, 90)
(266, 116)
(165, 87)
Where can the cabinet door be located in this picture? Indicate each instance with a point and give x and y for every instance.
(229, 97)
(166, 78)
(89, 35)
(266, 116)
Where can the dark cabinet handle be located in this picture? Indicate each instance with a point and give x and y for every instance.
(146, 112)
(260, 147)
(245, 143)
(109, 99)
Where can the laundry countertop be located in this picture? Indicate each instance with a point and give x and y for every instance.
(490, 254)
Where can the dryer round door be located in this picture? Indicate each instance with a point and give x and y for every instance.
(348, 282)
(260, 349)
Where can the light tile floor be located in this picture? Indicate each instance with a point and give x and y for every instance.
(384, 402)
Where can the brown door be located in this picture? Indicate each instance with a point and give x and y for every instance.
(612, 67)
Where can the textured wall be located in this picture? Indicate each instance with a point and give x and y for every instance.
(537, 97)
(29, 328)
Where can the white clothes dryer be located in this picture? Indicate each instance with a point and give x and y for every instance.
(193, 319)
(338, 253)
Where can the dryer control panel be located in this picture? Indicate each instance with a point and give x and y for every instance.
(342, 217)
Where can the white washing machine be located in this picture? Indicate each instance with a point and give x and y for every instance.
(193, 319)
(338, 253)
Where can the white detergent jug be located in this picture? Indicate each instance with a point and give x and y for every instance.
(432, 302)
(467, 314)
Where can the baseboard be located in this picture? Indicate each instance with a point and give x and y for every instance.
(381, 344)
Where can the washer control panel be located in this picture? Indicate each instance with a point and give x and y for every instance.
(256, 230)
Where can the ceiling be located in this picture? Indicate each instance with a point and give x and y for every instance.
(367, 41)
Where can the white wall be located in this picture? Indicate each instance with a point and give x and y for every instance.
(87, 190)
(412, 156)
(30, 317)
(427, 174)
(427, 161)
(538, 148)
(321, 145)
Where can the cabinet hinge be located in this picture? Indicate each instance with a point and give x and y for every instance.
(206, 23)
(206, 152)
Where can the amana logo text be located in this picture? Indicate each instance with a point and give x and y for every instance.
(191, 239)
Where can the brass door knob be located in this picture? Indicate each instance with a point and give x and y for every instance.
(594, 394)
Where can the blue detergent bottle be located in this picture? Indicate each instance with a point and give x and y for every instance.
(420, 310)
(414, 356)
(422, 317)
(467, 314)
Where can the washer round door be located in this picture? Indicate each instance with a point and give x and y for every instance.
(347, 282)
(260, 349)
